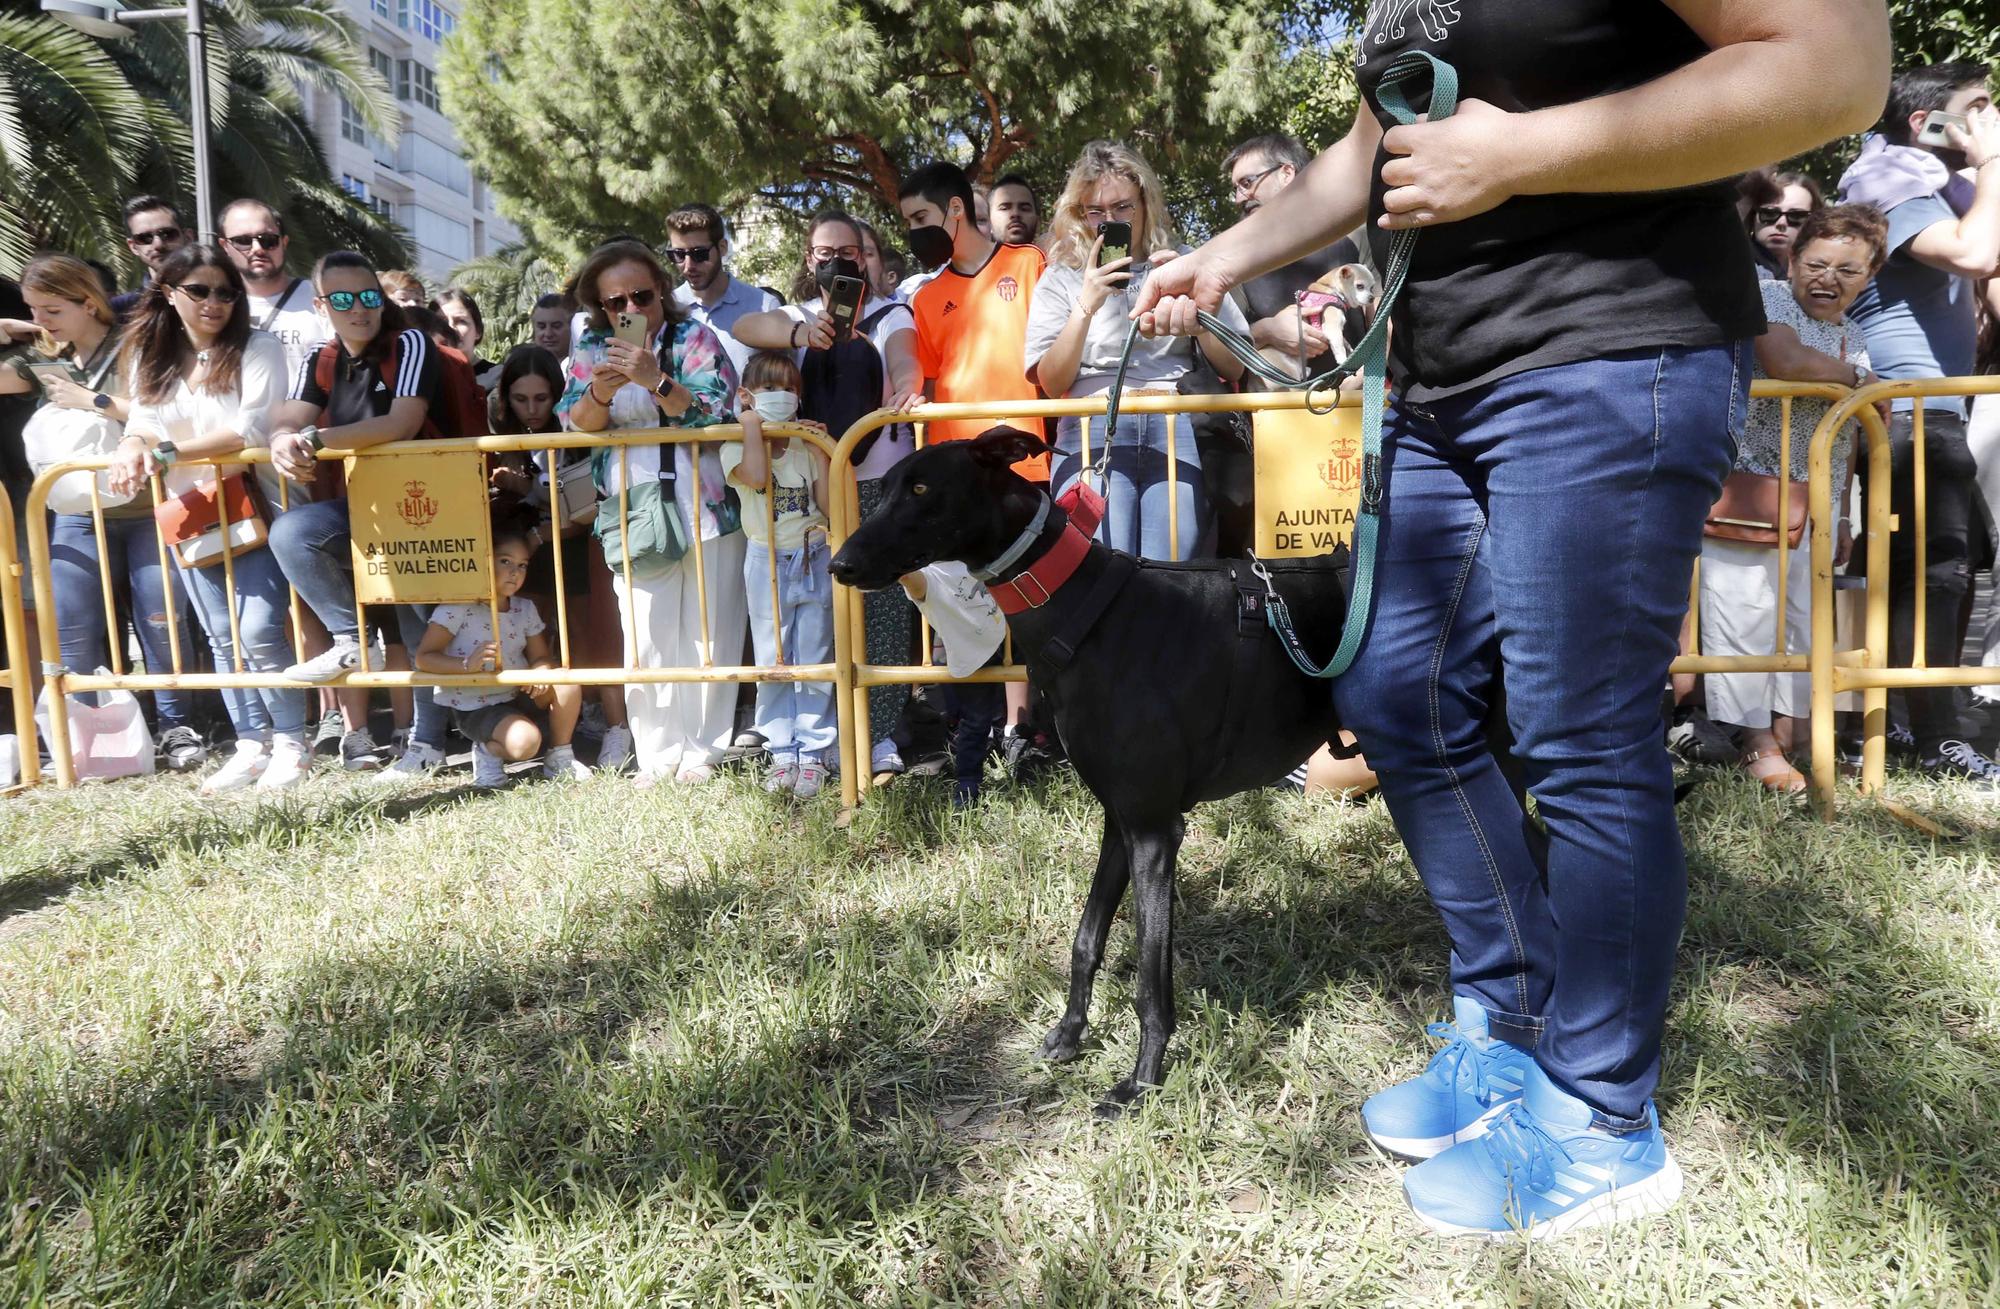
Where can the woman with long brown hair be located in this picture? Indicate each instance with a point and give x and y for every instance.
(205, 385)
(74, 328)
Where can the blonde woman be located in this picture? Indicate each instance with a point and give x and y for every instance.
(1077, 327)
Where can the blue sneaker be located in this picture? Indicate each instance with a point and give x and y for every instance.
(1461, 1091)
(1543, 1170)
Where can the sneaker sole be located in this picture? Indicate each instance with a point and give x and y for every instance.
(1416, 1149)
(1642, 1199)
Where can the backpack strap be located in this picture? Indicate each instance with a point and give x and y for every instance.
(277, 306)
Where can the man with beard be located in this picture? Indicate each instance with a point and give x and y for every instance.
(1016, 218)
(153, 230)
(1921, 321)
(697, 243)
(254, 238)
(1258, 169)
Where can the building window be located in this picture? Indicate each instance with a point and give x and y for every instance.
(384, 66)
(418, 83)
(426, 18)
(447, 238)
(354, 186)
(380, 7)
(352, 126)
(441, 164)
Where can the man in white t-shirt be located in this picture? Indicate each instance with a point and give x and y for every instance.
(253, 235)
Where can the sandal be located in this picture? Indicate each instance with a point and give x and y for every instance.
(1786, 780)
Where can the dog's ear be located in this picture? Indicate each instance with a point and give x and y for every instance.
(1003, 447)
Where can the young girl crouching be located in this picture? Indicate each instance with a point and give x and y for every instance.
(784, 520)
(504, 724)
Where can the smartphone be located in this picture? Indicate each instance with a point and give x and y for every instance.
(47, 371)
(843, 305)
(630, 328)
(1117, 242)
(1934, 124)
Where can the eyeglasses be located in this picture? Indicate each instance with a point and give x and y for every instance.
(1122, 211)
(822, 253)
(694, 254)
(344, 301)
(1845, 272)
(1768, 216)
(199, 291)
(638, 300)
(262, 240)
(156, 234)
(1242, 188)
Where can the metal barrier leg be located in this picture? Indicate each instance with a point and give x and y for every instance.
(54, 679)
(19, 670)
(1875, 699)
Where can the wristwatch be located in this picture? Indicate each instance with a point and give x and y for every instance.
(310, 435)
(1860, 376)
(165, 452)
(101, 400)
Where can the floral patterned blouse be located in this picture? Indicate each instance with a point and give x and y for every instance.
(693, 356)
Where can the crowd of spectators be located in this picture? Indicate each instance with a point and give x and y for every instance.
(1013, 296)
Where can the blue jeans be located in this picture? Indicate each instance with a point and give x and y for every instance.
(314, 548)
(1135, 490)
(1542, 532)
(136, 580)
(262, 606)
(796, 718)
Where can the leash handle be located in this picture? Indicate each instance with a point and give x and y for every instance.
(1370, 358)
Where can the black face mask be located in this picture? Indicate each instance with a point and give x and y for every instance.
(832, 268)
(930, 246)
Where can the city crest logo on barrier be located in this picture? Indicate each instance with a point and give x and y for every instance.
(417, 508)
(1343, 471)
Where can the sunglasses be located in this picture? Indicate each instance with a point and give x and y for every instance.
(1768, 216)
(346, 300)
(157, 234)
(694, 254)
(199, 291)
(637, 300)
(262, 240)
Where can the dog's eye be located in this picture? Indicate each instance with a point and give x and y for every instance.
(918, 488)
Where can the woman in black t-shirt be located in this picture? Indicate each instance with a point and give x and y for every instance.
(1570, 364)
(376, 381)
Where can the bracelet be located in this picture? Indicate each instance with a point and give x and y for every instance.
(794, 337)
(591, 391)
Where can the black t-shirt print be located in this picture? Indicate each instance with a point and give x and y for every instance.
(1553, 279)
(360, 390)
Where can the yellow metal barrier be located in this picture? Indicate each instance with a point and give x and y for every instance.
(1867, 670)
(18, 674)
(63, 681)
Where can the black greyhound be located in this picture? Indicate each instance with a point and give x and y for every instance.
(1167, 687)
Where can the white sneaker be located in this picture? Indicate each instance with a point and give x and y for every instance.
(416, 761)
(811, 777)
(238, 771)
(561, 764)
(783, 777)
(328, 664)
(488, 771)
(616, 751)
(885, 758)
(288, 767)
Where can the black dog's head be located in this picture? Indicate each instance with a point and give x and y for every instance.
(957, 500)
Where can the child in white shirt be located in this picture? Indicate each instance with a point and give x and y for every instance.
(783, 487)
(504, 724)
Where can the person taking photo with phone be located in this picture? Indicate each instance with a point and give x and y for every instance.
(1111, 228)
(1571, 361)
(643, 362)
(1921, 320)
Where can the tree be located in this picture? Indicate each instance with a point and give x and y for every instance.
(84, 124)
(600, 115)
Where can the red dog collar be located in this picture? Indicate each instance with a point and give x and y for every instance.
(1032, 589)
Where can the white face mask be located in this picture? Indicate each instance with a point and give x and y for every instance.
(776, 406)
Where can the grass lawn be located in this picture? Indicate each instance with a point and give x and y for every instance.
(589, 1045)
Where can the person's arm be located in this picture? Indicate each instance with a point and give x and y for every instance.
(899, 360)
(822, 473)
(775, 329)
(754, 469)
(430, 656)
(1764, 91)
(1054, 361)
(15, 379)
(1783, 356)
(1970, 245)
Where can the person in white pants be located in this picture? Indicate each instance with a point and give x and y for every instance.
(681, 378)
(1809, 340)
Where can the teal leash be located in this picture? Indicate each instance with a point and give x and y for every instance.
(1370, 358)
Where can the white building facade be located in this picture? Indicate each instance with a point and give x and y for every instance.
(422, 183)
